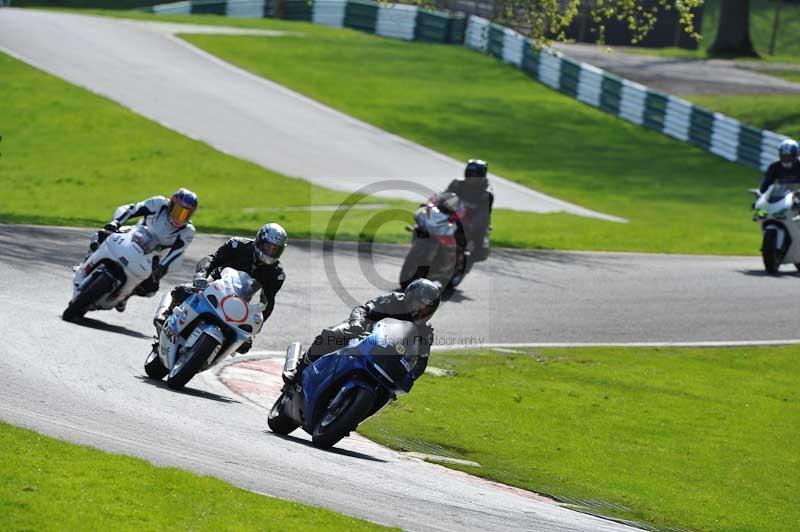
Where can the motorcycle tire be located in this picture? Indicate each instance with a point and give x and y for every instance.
(153, 366)
(770, 252)
(356, 407)
(278, 421)
(412, 268)
(189, 364)
(97, 288)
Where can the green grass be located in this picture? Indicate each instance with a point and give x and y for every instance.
(788, 75)
(70, 157)
(466, 104)
(767, 111)
(677, 198)
(704, 439)
(47, 484)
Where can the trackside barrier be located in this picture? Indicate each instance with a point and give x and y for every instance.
(673, 116)
(633, 102)
(397, 22)
(246, 8)
(329, 12)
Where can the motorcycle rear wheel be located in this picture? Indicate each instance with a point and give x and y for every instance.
(770, 252)
(278, 421)
(97, 288)
(333, 426)
(191, 363)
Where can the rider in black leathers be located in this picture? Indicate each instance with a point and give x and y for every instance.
(478, 199)
(416, 305)
(786, 170)
(257, 257)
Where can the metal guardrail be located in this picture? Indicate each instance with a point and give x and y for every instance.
(628, 100)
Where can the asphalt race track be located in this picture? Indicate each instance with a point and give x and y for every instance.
(164, 78)
(85, 383)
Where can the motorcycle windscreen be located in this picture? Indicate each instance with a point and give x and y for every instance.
(395, 348)
(239, 283)
(778, 192)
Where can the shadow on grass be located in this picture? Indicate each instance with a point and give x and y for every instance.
(332, 450)
(187, 391)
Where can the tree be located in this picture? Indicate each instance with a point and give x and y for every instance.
(733, 30)
(549, 19)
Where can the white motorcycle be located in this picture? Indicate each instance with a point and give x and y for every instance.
(776, 209)
(434, 252)
(110, 274)
(202, 331)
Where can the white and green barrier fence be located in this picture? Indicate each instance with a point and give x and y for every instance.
(714, 132)
(393, 21)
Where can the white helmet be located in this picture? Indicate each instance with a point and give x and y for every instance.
(270, 243)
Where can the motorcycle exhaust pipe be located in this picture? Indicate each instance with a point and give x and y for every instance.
(293, 354)
(166, 301)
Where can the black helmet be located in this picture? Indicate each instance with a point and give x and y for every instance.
(422, 299)
(475, 173)
(788, 152)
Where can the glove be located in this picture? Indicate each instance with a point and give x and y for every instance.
(159, 272)
(199, 282)
(112, 226)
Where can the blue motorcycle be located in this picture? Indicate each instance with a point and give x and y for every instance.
(341, 389)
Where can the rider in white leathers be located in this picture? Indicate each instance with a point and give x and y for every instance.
(169, 219)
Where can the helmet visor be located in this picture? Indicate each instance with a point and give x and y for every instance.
(179, 215)
(425, 311)
(787, 158)
(269, 252)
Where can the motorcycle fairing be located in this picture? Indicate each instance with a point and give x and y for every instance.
(355, 365)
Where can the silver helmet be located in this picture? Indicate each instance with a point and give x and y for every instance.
(270, 243)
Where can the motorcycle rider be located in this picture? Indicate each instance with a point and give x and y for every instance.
(478, 199)
(170, 222)
(786, 170)
(448, 203)
(416, 304)
(257, 257)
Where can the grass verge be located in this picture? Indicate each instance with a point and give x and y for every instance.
(767, 111)
(677, 198)
(704, 439)
(70, 157)
(466, 104)
(47, 484)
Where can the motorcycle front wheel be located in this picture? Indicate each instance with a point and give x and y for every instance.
(92, 292)
(413, 266)
(190, 363)
(337, 422)
(278, 421)
(153, 366)
(770, 252)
